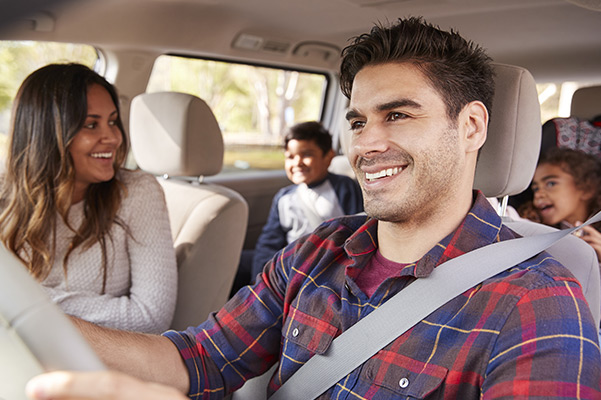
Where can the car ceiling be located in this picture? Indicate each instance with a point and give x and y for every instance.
(556, 40)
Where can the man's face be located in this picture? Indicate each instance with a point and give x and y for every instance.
(305, 162)
(405, 151)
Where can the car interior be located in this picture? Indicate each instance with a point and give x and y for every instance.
(584, 106)
(175, 136)
(585, 102)
(547, 54)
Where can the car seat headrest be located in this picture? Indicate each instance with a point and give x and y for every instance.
(586, 103)
(508, 158)
(175, 134)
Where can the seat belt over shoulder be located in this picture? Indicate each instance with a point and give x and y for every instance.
(409, 306)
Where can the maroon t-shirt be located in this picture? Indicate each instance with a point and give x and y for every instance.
(377, 270)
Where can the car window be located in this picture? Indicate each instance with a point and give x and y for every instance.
(253, 104)
(556, 98)
(20, 58)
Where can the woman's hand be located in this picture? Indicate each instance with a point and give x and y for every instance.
(592, 237)
(103, 385)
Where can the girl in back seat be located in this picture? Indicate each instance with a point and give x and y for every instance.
(567, 191)
(94, 234)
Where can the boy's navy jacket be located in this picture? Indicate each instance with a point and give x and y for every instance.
(273, 236)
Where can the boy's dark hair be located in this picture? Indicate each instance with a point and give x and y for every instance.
(458, 69)
(313, 131)
(583, 167)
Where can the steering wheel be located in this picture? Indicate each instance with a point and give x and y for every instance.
(35, 335)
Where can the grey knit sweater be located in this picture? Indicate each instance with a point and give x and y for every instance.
(141, 287)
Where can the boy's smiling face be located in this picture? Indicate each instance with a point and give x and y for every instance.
(305, 162)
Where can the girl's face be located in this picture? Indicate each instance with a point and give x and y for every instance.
(94, 147)
(556, 196)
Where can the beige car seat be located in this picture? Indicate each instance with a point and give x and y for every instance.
(586, 103)
(176, 137)
(506, 165)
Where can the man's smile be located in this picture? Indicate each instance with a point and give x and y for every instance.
(382, 173)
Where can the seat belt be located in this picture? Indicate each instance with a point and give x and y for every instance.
(408, 307)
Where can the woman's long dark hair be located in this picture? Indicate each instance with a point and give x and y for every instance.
(49, 110)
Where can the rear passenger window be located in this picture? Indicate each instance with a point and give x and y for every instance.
(253, 104)
(556, 98)
(20, 58)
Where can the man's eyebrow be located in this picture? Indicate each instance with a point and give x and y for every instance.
(352, 114)
(398, 103)
(391, 105)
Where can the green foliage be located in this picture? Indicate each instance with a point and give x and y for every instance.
(252, 104)
(256, 157)
(19, 59)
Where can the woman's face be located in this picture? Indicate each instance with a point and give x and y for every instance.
(94, 147)
(556, 196)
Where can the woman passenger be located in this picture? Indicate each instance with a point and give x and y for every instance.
(95, 235)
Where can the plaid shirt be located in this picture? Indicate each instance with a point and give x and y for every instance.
(525, 333)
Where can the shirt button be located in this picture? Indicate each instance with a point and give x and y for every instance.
(295, 332)
(347, 287)
(403, 383)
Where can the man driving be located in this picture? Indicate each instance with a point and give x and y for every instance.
(419, 101)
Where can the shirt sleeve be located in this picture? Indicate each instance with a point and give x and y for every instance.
(150, 303)
(547, 347)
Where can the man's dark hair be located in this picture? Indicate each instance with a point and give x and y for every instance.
(458, 69)
(312, 131)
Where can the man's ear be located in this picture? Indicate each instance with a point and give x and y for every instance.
(474, 118)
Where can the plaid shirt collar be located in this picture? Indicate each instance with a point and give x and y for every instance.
(470, 235)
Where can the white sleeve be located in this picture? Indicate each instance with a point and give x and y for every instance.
(150, 303)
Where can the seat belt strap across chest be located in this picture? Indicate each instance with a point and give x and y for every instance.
(409, 306)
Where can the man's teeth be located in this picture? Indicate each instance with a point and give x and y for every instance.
(381, 174)
(102, 155)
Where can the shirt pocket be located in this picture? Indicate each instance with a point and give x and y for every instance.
(309, 333)
(404, 376)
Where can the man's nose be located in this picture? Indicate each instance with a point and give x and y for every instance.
(372, 139)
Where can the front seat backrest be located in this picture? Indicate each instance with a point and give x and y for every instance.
(506, 166)
(176, 136)
(508, 158)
